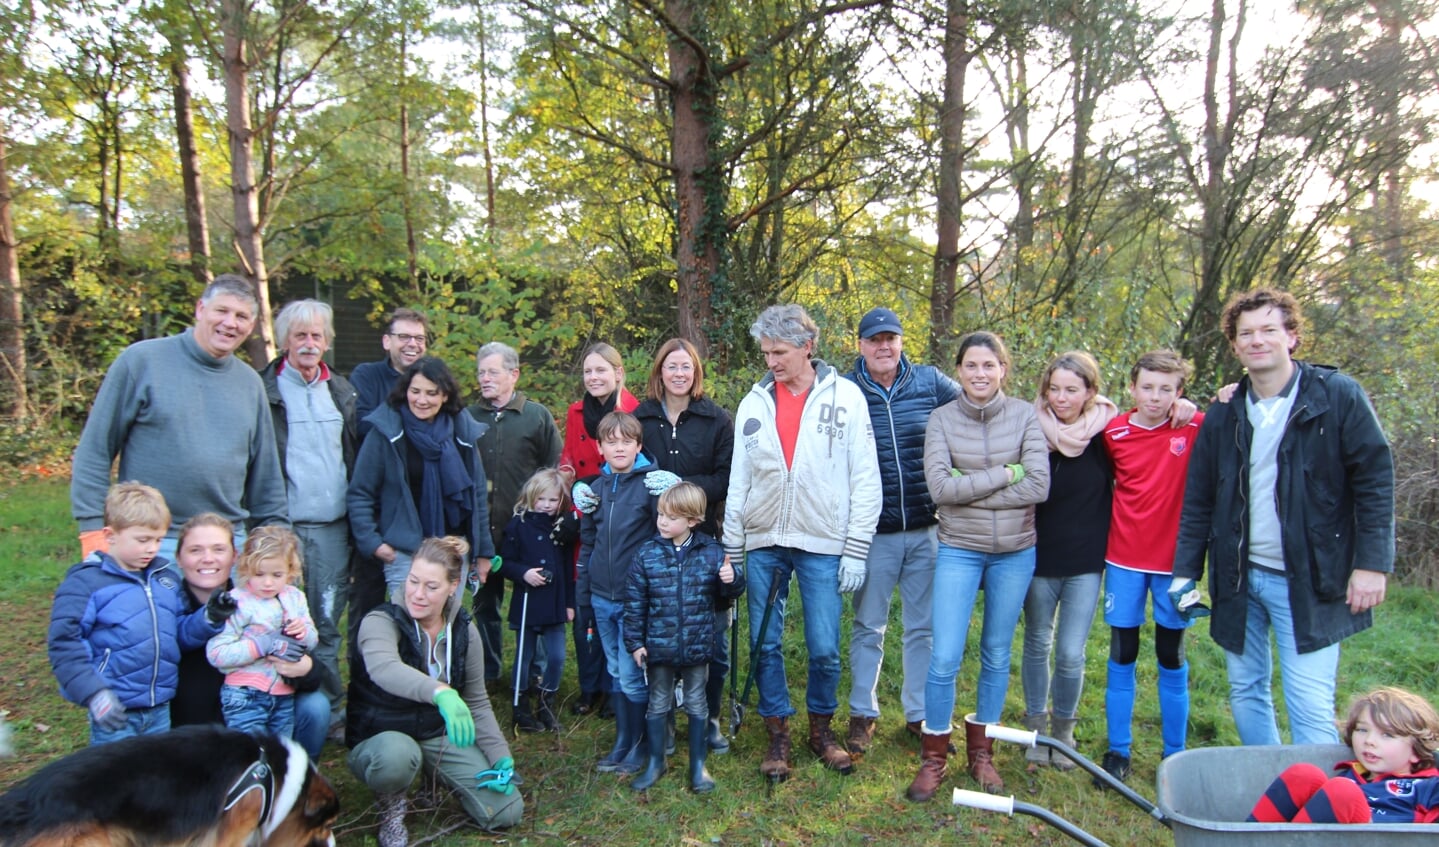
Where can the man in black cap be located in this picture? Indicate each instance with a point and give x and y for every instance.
(900, 395)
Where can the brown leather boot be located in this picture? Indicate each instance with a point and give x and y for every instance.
(824, 745)
(933, 766)
(776, 759)
(980, 752)
(860, 735)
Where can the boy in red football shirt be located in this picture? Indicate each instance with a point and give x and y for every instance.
(1151, 460)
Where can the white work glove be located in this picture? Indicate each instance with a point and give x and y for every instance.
(585, 498)
(851, 574)
(1184, 594)
(658, 482)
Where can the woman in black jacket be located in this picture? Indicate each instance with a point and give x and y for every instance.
(693, 438)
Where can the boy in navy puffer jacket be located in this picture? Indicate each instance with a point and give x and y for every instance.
(669, 626)
(118, 624)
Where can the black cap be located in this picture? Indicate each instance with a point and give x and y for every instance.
(879, 320)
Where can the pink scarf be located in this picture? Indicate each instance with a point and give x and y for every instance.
(1070, 439)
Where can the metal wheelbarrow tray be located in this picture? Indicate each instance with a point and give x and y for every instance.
(1206, 793)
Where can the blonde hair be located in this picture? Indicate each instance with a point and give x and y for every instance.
(130, 504)
(270, 542)
(1079, 363)
(540, 482)
(205, 519)
(683, 500)
(1399, 712)
(448, 552)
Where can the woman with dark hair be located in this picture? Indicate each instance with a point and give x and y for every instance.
(692, 437)
(604, 382)
(419, 475)
(986, 465)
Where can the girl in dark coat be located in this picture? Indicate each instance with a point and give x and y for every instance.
(535, 555)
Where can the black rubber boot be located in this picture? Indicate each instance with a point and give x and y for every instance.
(700, 780)
(670, 733)
(625, 738)
(547, 713)
(655, 736)
(638, 756)
(719, 745)
(524, 713)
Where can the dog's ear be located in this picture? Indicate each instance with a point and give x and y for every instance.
(322, 804)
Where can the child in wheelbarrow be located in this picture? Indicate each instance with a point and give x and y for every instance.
(1392, 778)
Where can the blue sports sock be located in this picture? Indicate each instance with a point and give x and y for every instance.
(1119, 706)
(1174, 706)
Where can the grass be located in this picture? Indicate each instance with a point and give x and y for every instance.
(568, 803)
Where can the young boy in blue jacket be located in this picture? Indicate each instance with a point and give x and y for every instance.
(621, 518)
(118, 623)
(670, 606)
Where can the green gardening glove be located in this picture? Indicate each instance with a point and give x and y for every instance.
(1018, 472)
(459, 723)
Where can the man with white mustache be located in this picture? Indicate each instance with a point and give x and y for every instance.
(316, 437)
(186, 416)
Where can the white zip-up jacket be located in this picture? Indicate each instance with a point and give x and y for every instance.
(829, 501)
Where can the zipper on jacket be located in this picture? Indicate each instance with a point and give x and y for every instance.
(155, 639)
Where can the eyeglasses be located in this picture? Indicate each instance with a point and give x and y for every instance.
(405, 338)
(679, 369)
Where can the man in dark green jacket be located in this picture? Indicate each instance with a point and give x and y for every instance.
(521, 439)
(1291, 494)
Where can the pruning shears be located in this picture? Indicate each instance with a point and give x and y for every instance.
(501, 778)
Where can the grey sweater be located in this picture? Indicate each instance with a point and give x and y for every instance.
(195, 427)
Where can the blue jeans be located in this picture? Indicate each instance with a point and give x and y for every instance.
(958, 576)
(1073, 599)
(396, 573)
(628, 678)
(542, 647)
(590, 670)
(152, 721)
(312, 721)
(253, 710)
(818, 576)
(1309, 678)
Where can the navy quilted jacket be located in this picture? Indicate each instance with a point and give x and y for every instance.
(899, 416)
(670, 599)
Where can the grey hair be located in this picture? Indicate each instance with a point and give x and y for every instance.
(305, 313)
(233, 285)
(509, 359)
(787, 322)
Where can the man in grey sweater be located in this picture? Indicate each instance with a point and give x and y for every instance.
(184, 415)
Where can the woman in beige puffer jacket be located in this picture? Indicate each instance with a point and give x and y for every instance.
(987, 465)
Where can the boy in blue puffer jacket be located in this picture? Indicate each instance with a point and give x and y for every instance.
(669, 626)
(118, 624)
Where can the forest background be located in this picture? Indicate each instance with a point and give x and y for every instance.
(1096, 174)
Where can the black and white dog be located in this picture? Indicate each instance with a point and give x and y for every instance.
(197, 785)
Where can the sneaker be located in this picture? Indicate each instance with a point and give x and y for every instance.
(1116, 766)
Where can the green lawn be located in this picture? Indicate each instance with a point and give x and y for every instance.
(568, 803)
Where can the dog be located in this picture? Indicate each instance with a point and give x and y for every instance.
(197, 786)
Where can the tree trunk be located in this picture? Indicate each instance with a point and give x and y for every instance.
(943, 289)
(249, 243)
(14, 400)
(699, 198)
(412, 251)
(485, 129)
(197, 229)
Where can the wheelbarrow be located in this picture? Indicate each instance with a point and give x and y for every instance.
(1204, 795)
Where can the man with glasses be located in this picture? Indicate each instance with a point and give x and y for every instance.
(520, 439)
(405, 340)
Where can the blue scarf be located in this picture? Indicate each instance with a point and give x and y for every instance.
(446, 489)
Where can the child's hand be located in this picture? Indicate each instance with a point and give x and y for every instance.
(640, 656)
(536, 577)
(295, 628)
(726, 572)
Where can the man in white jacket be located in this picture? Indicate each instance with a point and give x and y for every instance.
(804, 498)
